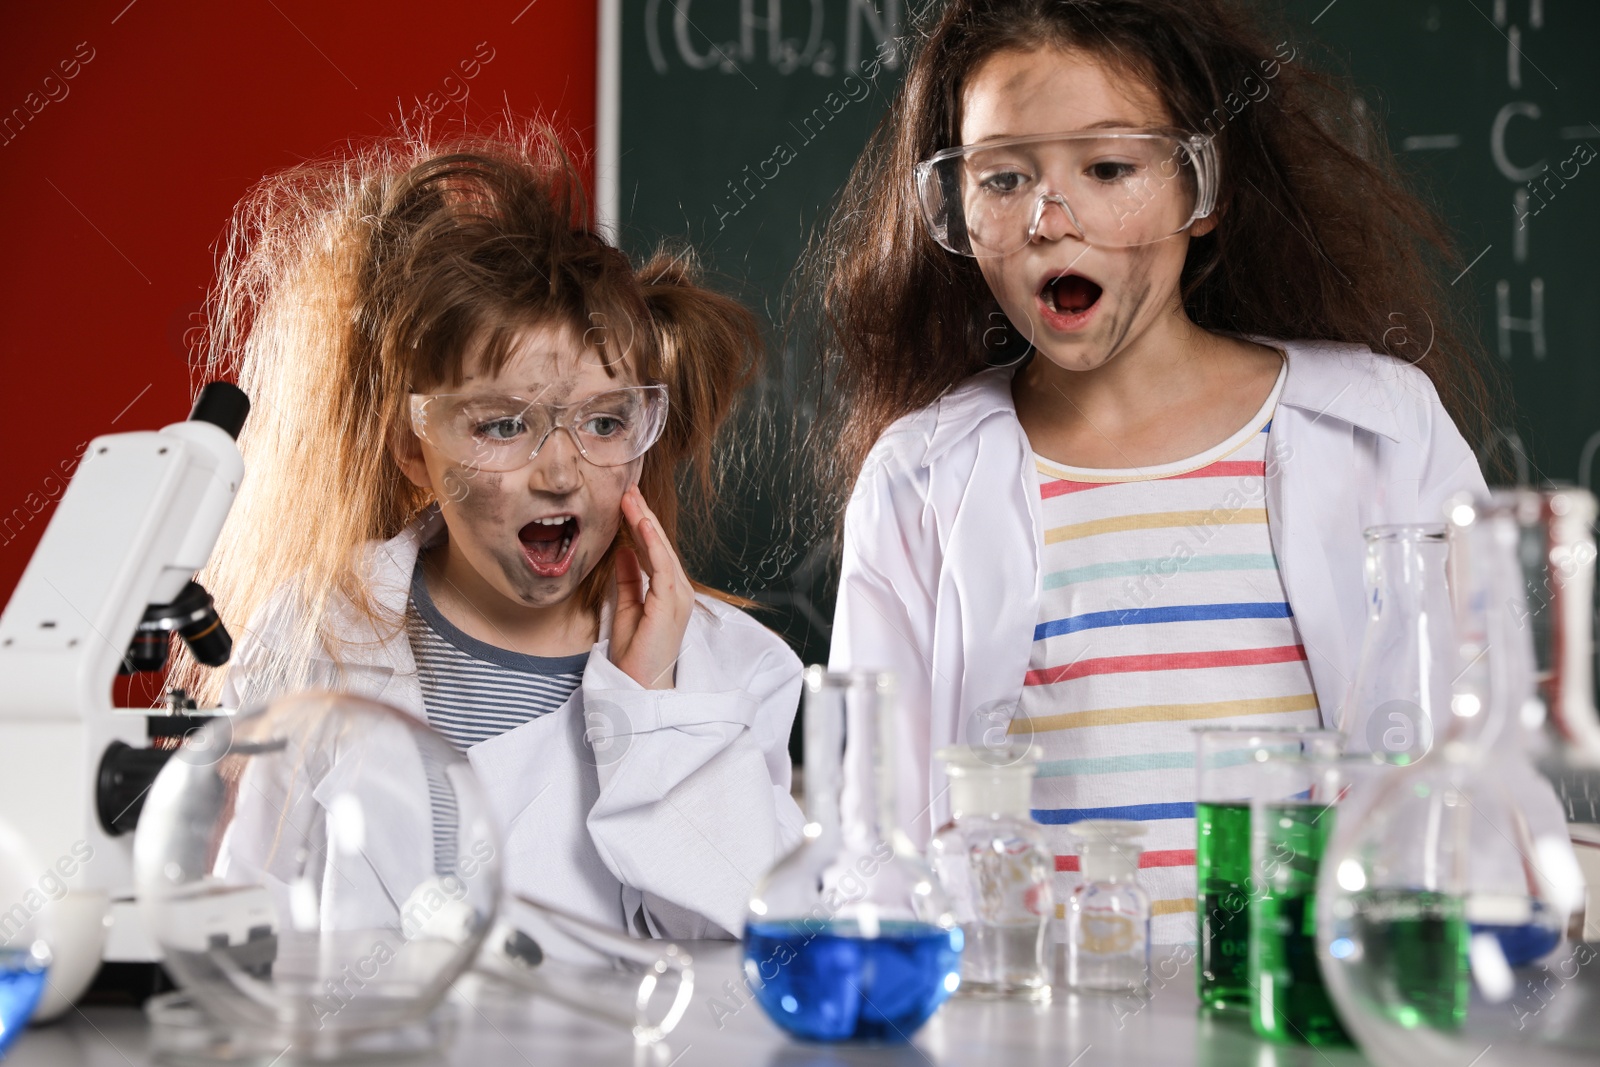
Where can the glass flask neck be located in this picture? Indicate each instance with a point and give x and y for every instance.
(1406, 574)
(849, 776)
(1496, 682)
(1401, 692)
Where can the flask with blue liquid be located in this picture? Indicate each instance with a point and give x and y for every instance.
(24, 956)
(850, 937)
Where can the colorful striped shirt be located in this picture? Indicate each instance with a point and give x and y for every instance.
(1160, 610)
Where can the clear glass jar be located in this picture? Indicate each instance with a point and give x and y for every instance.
(995, 866)
(1108, 913)
(850, 937)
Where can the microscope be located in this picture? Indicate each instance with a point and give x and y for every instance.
(109, 584)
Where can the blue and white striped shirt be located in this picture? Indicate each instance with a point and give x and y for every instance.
(473, 691)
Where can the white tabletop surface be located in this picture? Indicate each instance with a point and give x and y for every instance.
(1071, 1031)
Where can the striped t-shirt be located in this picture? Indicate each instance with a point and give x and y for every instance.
(1161, 609)
(473, 691)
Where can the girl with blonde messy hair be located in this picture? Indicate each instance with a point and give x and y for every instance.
(471, 416)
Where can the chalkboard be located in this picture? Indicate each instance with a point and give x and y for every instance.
(1494, 104)
(738, 120)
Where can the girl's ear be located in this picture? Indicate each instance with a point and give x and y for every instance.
(1203, 226)
(407, 452)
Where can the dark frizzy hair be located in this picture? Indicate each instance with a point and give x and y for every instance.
(1319, 236)
(347, 284)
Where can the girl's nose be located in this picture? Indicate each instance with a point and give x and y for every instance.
(1053, 219)
(558, 466)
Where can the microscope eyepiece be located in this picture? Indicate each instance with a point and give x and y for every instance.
(222, 404)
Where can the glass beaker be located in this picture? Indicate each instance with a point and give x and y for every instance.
(1401, 691)
(1228, 760)
(1108, 913)
(995, 866)
(1292, 820)
(850, 937)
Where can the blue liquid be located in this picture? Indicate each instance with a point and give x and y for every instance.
(20, 986)
(825, 982)
(1522, 944)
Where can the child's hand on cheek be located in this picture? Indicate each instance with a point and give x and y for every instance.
(647, 631)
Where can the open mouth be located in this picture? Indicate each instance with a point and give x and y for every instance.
(1070, 295)
(547, 544)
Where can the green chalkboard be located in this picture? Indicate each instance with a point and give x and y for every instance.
(1494, 105)
(739, 121)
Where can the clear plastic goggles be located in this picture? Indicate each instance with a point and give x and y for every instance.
(1114, 189)
(495, 432)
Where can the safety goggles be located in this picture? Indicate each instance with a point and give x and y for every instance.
(1114, 189)
(496, 432)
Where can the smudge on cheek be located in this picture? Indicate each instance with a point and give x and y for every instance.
(1137, 298)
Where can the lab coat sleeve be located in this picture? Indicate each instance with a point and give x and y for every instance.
(885, 613)
(694, 803)
(1449, 466)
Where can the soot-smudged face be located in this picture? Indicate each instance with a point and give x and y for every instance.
(1079, 305)
(534, 534)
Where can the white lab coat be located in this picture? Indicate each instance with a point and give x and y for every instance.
(654, 811)
(940, 578)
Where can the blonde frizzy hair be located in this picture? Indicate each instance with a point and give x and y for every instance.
(342, 286)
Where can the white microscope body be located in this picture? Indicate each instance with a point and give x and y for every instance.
(138, 520)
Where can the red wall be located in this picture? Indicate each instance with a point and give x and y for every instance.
(138, 125)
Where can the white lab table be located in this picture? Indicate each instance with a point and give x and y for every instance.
(1072, 1031)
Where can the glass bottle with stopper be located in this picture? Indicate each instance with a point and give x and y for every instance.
(993, 861)
(850, 937)
(1108, 913)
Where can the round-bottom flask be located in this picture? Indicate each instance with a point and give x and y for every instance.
(849, 937)
(24, 957)
(994, 863)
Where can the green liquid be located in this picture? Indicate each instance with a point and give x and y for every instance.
(1415, 947)
(1222, 878)
(1291, 1004)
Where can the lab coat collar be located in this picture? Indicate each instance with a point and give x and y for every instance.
(1326, 378)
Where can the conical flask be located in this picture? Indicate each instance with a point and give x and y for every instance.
(1401, 691)
(850, 937)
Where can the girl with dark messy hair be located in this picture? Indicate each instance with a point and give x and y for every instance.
(1134, 330)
